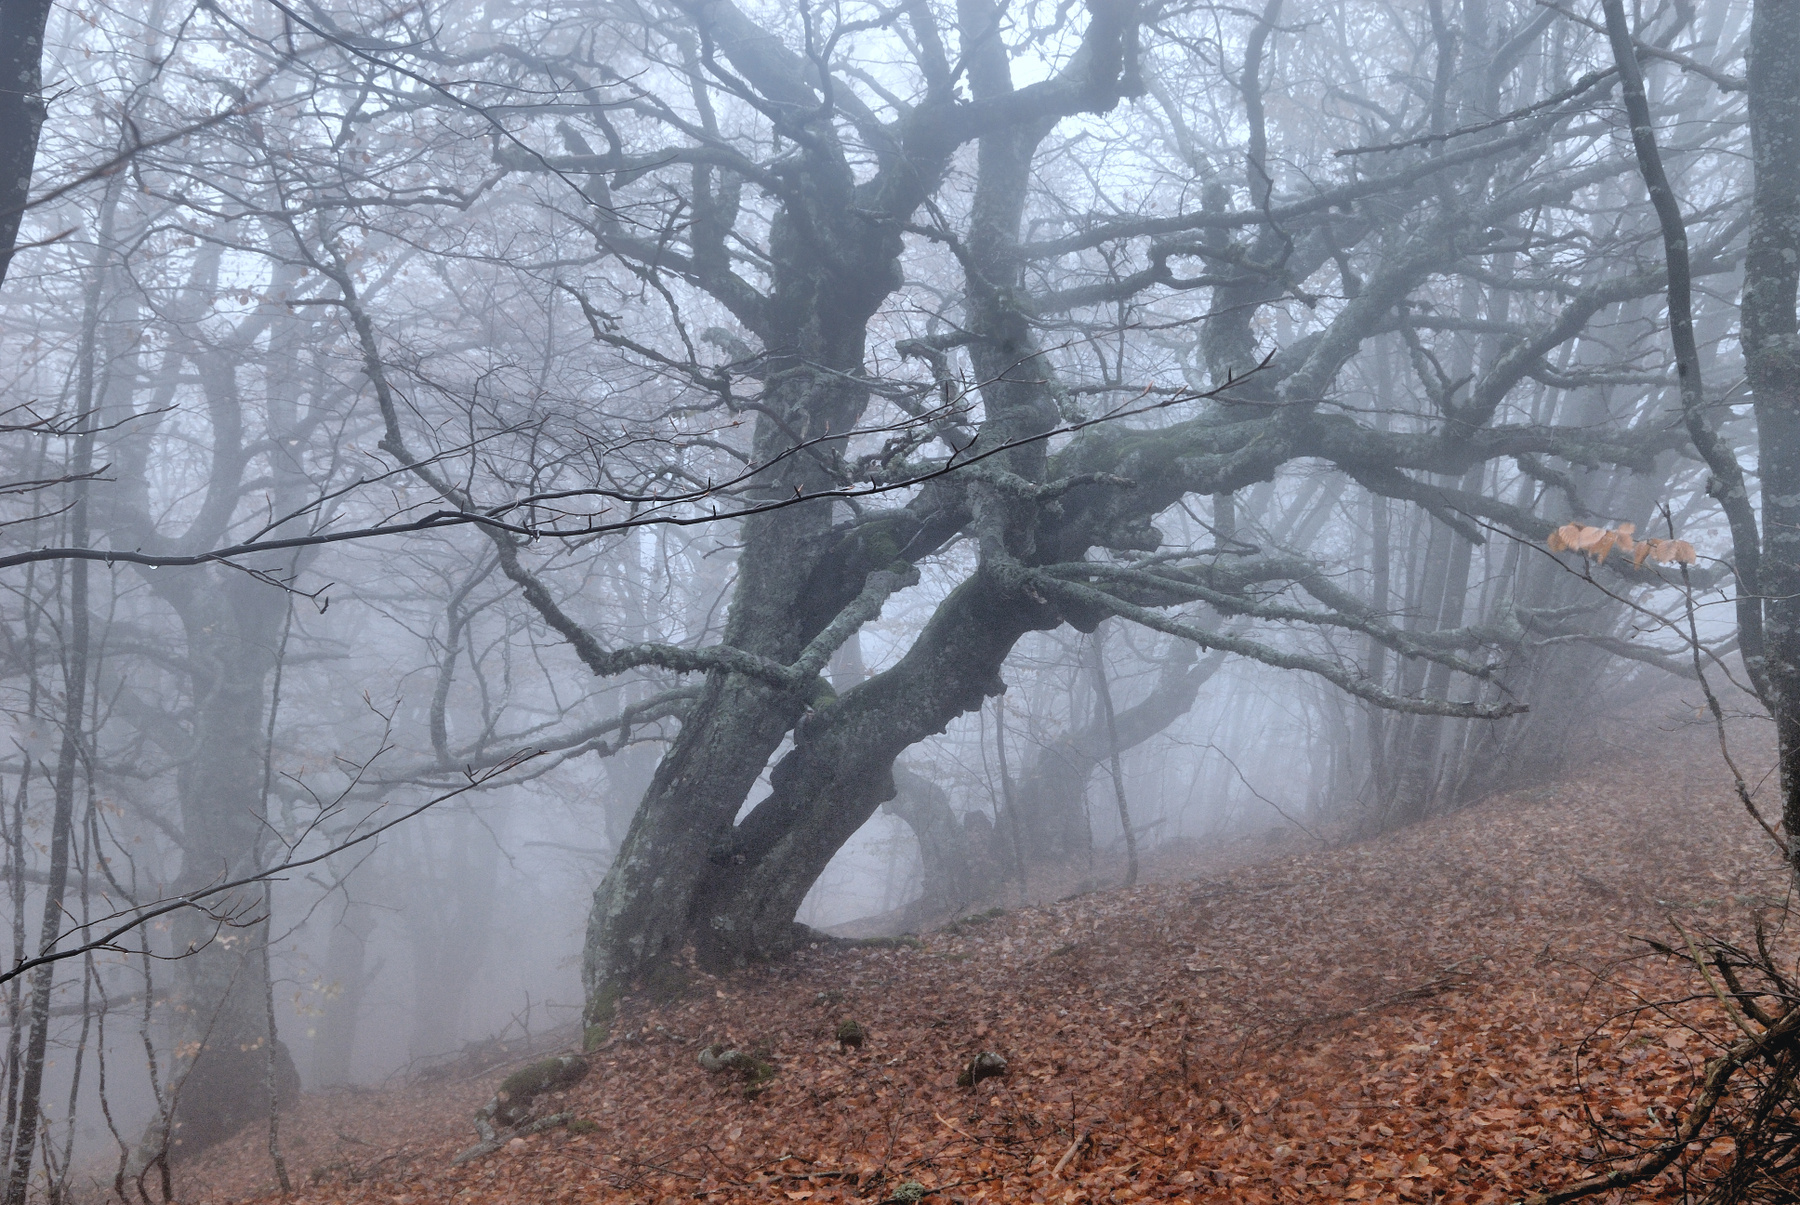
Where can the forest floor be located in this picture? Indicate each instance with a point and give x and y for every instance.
(1452, 1013)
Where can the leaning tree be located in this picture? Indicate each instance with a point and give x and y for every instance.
(1135, 280)
(1003, 308)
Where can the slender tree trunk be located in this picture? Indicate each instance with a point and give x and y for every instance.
(272, 1069)
(1425, 591)
(1422, 754)
(1380, 596)
(1012, 822)
(273, 1053)
(69, 759)
(15, 1001)
(346, 955)
(58, 1189)
(1103, 693)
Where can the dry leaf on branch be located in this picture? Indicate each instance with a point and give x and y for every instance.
(1599, 543)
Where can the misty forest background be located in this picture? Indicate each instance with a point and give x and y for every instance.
(767, 466)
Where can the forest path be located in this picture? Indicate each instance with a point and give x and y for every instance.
(1395, 1020)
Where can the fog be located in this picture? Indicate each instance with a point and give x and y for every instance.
(512, 506)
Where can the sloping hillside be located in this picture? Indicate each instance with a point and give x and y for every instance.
(1440, 1015)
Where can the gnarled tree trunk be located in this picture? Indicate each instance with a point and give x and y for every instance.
(687, 874)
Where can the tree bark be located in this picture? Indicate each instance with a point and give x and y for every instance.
(643, 909)
(1771, 340)
(233, 630)
(22, 112)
